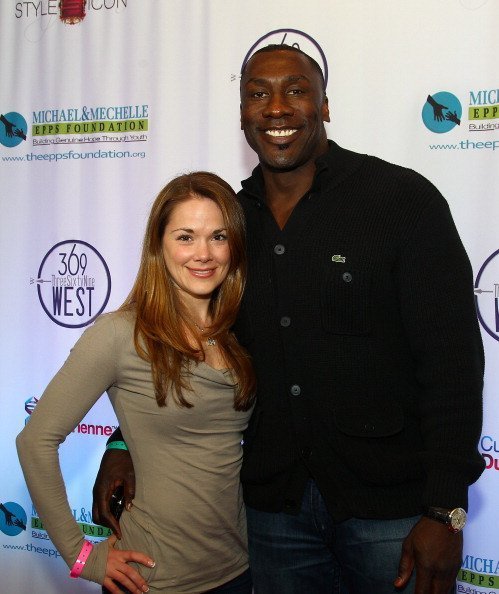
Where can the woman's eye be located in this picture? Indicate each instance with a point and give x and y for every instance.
(220, 237)
(184, 238)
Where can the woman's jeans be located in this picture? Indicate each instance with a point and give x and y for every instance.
(239, 585)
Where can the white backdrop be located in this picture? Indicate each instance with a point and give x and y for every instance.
(140, 90)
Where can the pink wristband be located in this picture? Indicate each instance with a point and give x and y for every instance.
(82, 559)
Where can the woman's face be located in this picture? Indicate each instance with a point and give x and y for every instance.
(195, 248)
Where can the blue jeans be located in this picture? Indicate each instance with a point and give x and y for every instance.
(239, 585)
(309, 553)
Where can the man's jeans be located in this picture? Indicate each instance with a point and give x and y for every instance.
(309, 554)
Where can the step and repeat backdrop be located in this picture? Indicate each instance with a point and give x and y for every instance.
(103, 101)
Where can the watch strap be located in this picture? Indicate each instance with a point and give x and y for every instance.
(447, 517)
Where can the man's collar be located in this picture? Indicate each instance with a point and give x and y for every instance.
(330, 161)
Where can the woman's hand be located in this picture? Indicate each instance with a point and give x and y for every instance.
(117, 569)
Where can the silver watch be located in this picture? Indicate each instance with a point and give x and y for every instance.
(454, 519)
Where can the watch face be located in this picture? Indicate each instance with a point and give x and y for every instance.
(457, 519)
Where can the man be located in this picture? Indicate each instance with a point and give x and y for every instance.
(360, 319)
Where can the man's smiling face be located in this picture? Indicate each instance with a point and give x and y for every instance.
(283, 109)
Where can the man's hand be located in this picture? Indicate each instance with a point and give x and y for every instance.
(116, 469)
(118, 570)
(435, 553)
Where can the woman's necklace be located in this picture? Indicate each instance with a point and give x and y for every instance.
(209, 341)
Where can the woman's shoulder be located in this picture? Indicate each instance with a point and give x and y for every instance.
(119, 323)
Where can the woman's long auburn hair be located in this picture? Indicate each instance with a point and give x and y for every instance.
(161, 317)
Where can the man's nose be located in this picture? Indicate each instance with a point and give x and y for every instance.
(277, 106)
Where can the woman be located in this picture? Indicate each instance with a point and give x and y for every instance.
(182, 389)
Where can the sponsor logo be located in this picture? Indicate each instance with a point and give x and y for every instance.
(83, 518)
(73, 283)
(90, 125)
(72, 11)
(476, 579)
(61, 157)
(490, 451)
(487, 295)
(104, 120)
(13, 129)
(82, 428)
(69, 12)
(293, 37)
(115, 126)
(472, 590)
(483, 108)
(29, 405)
(442, 111)
(13, 518)
(480, 565)
(31, 548)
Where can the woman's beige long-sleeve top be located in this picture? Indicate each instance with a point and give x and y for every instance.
(188, 513)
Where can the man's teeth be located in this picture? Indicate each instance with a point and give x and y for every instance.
(280, 133)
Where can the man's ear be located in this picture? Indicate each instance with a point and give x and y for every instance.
(325, 110)
(240, 116)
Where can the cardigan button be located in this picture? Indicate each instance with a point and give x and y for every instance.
(347, 277)
(305, 453)
(285, 321)
(279, 249)
(295, 390)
